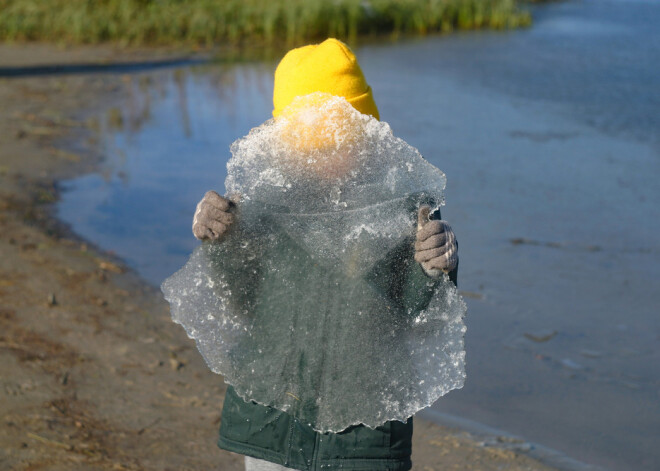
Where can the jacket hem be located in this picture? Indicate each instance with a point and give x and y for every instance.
(348, 464)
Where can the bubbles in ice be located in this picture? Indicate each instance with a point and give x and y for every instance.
(322, 155)
(316, 305)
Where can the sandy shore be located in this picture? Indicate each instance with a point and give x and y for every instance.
(93, 373)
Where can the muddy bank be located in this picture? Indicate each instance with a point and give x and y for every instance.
(93, 374)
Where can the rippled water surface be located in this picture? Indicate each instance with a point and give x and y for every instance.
(549, 139)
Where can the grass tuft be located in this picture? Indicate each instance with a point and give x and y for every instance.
(207, 22)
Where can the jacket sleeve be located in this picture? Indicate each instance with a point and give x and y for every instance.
(236, 263)
(418, 287)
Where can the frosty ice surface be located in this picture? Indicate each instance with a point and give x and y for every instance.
(312, 303)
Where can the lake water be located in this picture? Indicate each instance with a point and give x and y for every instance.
(550, 141)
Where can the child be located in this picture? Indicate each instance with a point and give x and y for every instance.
(270, 438)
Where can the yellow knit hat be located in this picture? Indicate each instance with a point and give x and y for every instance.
(329, 67)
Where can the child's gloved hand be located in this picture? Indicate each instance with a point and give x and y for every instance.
(212, 217)
(435, 248)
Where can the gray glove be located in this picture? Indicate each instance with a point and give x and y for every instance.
(212, 217)
(435, 247)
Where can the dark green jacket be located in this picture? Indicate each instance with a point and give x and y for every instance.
(270, 434)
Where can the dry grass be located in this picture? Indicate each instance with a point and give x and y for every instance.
(209, 22)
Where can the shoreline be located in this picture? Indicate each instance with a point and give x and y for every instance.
(490, 436)
(95, 375)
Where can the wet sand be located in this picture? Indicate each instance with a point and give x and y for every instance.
(93, 373)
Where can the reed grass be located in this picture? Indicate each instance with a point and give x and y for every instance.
(208, 22)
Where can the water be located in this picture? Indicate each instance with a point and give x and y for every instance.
(549, 139)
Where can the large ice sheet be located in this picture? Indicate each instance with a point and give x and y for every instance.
(312, 303)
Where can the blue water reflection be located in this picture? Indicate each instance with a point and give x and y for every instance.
(166, 146)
